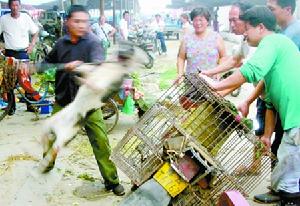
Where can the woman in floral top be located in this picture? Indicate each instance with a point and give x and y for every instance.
(201, 49)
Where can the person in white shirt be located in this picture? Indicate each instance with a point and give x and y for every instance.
(17, 28)
(124, 26)
(104, 32)
(159, 25)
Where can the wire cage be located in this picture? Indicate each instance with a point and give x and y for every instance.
(192, 197)
(191, 115)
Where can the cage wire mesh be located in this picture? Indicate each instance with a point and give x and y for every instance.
(191, 115)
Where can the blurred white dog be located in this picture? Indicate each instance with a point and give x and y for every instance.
(98, 82)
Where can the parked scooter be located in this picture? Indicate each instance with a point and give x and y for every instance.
(145, 40)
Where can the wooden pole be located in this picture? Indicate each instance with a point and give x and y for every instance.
(73, 2)
(101, 7)
(121, 9)
(61, 3)
(114, 18)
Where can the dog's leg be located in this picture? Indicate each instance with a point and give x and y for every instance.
(62, 134)
(47, 142)
(48, 161)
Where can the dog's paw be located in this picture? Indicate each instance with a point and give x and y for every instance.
(48, 162)
(47, 142)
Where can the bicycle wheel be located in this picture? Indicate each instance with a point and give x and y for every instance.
(149, 65)
(43, 88)
(110, 113)
(39, 56)
(5, 106)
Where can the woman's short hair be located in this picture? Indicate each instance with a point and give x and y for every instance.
(185, 16)
(201, 11)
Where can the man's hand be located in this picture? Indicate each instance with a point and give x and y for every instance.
(29, 49)
(244, 108)
(207, 73)
(72, 65)
(266, 141)
(178, 80)
(209, 80)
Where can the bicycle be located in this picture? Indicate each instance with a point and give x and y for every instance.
(43, 46)
(9, 67)
(112, 107)
(146, 41)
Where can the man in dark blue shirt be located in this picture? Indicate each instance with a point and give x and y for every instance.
(76, 47)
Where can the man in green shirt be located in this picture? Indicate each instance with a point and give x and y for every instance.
(277, 62)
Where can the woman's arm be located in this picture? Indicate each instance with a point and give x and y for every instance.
(181, 57)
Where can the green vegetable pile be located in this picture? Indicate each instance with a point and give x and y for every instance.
(47, 76)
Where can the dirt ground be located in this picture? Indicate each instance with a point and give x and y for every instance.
(75, 180)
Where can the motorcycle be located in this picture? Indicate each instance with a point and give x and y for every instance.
(145, 41)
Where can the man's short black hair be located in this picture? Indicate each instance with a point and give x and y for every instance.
(260, 15)
(76, 8)
(287, 3)
(125, 12)
(10, 1)
(243, 6)
(201, 11)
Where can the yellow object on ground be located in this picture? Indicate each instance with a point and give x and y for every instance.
(170, 180)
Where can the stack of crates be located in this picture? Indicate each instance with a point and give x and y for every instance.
(193, 110)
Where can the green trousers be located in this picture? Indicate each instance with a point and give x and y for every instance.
(96, 132)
